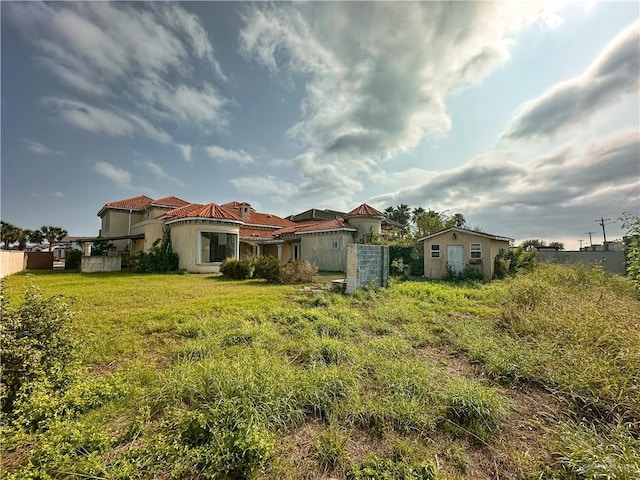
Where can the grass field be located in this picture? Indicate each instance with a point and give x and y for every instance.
(195, 376)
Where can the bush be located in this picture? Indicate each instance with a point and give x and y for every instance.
(73, 260)
(237, 269)
(298, 271)
(159, 259)
(513, 261)
(374, 468)
(268, 268)
(36, 345)
(411, 255)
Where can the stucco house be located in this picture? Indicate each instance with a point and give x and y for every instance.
(456, 248)
(204, 235)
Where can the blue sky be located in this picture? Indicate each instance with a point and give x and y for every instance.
(522, 116)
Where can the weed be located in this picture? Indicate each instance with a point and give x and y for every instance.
(330, 448)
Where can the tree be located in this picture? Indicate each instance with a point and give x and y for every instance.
(557, 245)
(400, 214)
(430, 222)
(53, 234)
(9, 233)
(632, 246)
(36, 236)
(533, 242)
(458, 220)
(23, 237)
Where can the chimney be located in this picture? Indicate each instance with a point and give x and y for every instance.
(245, 211)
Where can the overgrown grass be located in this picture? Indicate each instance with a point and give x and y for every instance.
(191, 376)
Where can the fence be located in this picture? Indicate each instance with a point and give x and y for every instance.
(612, 261)
(11, 261)
(367, 264)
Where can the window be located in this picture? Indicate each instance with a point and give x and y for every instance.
(435, 251)
(335, 245)
(476, 250)
(215, 247)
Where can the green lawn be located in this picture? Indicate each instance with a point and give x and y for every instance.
(195, 376)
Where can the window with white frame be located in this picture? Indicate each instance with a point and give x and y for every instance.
(335, 244)
(216, 246)
(476, 250)
(435, 251)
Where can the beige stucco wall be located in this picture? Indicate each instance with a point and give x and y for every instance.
(11, 262)
(317, 249)
(119, 225)
(366, 225)
(152, 230)
(184, 242)
(100, 264)
(437, 267)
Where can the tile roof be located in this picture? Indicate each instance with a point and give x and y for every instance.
(365, 210)
(202, 211)
(309, 227)
(255, 233)
(133, 203)
(466, 230)
(257, 218)
(170, 202)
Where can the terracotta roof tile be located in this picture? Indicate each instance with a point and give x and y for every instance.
(309, 227)
(255, 232)
(257, 218)
(365, 210)
(170, 202)
(202, 211)
(133, 203)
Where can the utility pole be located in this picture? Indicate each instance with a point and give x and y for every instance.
(590, 241)
(580, 244)
(604, 234)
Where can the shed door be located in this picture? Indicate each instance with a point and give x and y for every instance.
(454, 258)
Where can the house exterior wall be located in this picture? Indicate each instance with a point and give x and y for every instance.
(152, 230)
(184, 242)
(437, 267)
(116, 223)
(328, 251)
(366, 225)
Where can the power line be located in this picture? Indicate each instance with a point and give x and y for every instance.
(625, 197)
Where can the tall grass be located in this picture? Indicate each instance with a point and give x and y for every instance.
(192, 377)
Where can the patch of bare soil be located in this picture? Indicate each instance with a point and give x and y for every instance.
(449, 360)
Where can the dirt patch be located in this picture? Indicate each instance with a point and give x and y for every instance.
(449, 360)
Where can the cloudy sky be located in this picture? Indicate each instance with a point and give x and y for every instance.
(522, 116)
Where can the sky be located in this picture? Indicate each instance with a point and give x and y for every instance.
(522, 116)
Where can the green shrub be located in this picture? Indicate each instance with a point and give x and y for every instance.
(237, 269)
(298, 271)
(158, 259)
(73, 260)
(269, 268)
(513, 261)
(37, 344)
(330, 447)
(374, 468)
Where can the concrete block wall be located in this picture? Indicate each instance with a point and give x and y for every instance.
(367, 264)
(100, 264)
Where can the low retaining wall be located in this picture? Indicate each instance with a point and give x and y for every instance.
(367, 264)
(11, 262)
(612, 262)
(100, 264)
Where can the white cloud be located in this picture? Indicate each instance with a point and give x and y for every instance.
(185, 150)
(40, 148)
(264, 185)
(117, 175)
(121, 55)
(157, 170)
(569, 187)
(225, 155)
(376, 75)
(57, 194)
(101, 120)
(614, 73)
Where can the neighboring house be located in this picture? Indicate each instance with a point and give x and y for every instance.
(456, 248)
(204, 235)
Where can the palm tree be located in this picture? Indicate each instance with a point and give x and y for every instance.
(9, 233)
(23, 237)
(36, 237)
(53, 234)
(458, 220)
